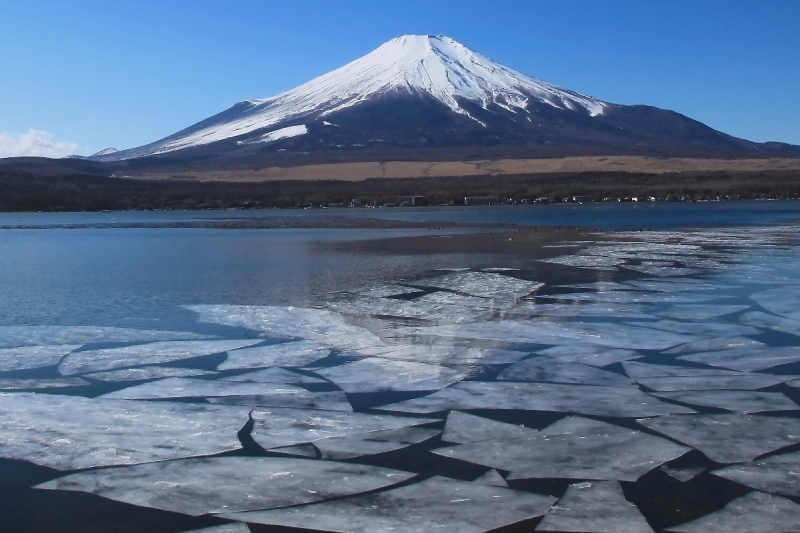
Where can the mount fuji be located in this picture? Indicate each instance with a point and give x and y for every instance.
(428, 97)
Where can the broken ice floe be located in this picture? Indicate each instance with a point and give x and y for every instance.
(586, 261)
(715, 343)
(639, 371)
(463, 428)
(371, 443)
(144, 354)
(35, 384)
(580, 399)
(573, 448)
(291, 354)
(69, 432)
(273, 375)
(597, 507)
(446, 354)
(777, 474)
(607, 335)
(27, 357)
(701, 383)
(376, 374)
(683, 474)
(729, 438)
(234, 393)
(483, 284)
(764, 320)
(14, 336)
(701, 328)
(637, 311)
(279, 427)
(436, 504)
(734, 400)
(326, 327)
(492, 477)
(441, 307)
(784, 301)
(146, 373)
(549, 370)
(236, 527)
(228, 484)
(755, 512)
(589, 355)
(747, 359)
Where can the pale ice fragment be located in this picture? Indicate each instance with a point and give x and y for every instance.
(70, 432)
(463, 428)
(747, 359)
(9, 384)
(715, 343)
(600, 507)
(549, 370)
(27, 357)
(729, 438)
(435, 504)
(291, 354)
(492, 477)
(446, 354)
(589, 355)
(359, 445)
(148, 372)
(777, 474)
(236, 527)
(683, 474)
(483, 284)
(285, 397)
(639, 371)
(755, 512)
(376, 374)
(784, 301)
(143, 354)
(12, 336)
(700, 312)
(228, 484)
(273, 375)
(744, 382)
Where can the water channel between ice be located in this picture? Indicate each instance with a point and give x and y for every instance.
(618, 381)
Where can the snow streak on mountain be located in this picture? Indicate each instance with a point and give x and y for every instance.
(413, 64)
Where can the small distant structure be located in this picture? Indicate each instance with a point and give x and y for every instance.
(542, 200)
(582, 199)
(479, 200)
(355, 202)
(413, 200)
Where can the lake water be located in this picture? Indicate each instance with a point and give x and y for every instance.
(466, 374)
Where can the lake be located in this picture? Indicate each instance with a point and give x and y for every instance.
(599, 367)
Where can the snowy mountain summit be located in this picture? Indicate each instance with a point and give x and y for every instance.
(430, 93)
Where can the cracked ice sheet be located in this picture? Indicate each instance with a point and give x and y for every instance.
(273, 375)
(729, 438)
(586, 261)
(291, 354)
(777, 474)
(228, 484)
(550, 370)
(14, 336)
(784, 301)
(638, 371)
(33, 427)
(572, 448)
(28, 357)
(463, 428)
(755, 512)
(446, 354)
(377, 374)
(445, 307)
(597, 507)
(700, 312)
(764, 320)
(747, 359)
(734, 400)
(435, 504)
(714, 344)
(701, 329)
(143, 354)
(234, 393)
(624, 402)
(589, 355)
(277, 427)
(633, 311)
(236, 527)
(31, 384)
(147, 372)
(606, 335)
(483, 284)
(322, 326)
(349, 446)
(742, 382)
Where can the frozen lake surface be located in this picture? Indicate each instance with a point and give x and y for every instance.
(173, 379)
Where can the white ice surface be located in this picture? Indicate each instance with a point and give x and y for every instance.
(638, 371)
(715, 343)
(747, 359)
(784, 301)
(273, 375)
(589, 355)
(436, 504)
(755, 512)
(700, 312)
(464, 428)
(144, 354)
(376, 374)
(360, 445)
(729, 438)
(15, 336)
(492, 477)
(483, 284)
(777, 474)
(549, 370)
(235, 527)
(276, 135)
(278, 427)
(597, 507)
(34, 384)
(741, 401)
(700, 383)
(683, 474)
(287, 396)
(325, 327)
(444, 354)
(146, 373)
(767, 321)
(579, 399)
(70, 432)
(27, 357)
(573, 448)
(228, 484)
(291, 354)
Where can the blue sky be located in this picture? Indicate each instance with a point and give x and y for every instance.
(82, 76)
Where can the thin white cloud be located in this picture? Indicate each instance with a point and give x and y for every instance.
(34, 143)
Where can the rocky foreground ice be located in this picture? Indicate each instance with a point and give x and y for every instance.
(462, 401)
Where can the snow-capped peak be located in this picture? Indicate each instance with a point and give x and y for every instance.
(436, 65)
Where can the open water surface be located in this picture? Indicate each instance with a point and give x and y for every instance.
(173, 379)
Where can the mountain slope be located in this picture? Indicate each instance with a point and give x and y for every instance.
(433, 92)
